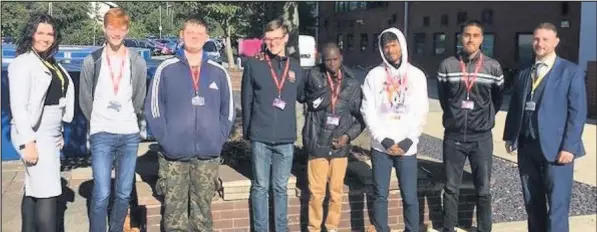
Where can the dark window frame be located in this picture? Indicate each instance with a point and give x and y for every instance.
(349, 41)
(565, 9)
(445, 20)
(375, 44)
(426, 21)
(417, 42)
(435, 34)
(461, 17)
(517, 49)
(364, 42)
(340, 40)
(487, 16)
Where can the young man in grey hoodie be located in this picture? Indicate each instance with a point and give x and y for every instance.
(111, 94)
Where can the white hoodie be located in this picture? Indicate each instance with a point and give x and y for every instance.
(383, 123)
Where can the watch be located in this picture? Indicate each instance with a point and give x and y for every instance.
(22, 146)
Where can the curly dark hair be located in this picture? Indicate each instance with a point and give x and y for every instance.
(25, 42)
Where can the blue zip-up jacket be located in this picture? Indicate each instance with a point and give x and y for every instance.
(183, 130)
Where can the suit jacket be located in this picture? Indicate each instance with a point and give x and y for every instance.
(561, 113)
(29, 80)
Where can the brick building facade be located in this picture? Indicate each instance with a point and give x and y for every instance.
(433, 27)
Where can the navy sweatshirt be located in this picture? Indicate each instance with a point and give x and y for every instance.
(261, 120)
(182, 129)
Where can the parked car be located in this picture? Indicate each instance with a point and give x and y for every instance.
(170, 44)
(213, 51)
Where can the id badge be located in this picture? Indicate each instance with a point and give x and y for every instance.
(62, 102)
(469, 105)
(197, 101)
(529, 106)
(333, 120)
(114, 105)
(400, 108)
(279, 103)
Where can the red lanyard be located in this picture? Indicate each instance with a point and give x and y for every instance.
(335, 89)
(279, 83)
(395, 85)
(195, 72)
(468, 81)
(116, 80)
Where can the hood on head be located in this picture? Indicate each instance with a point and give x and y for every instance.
(403, 48)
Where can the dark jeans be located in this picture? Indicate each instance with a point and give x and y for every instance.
(544, 183)
(406, 172)
(480, 154)
(277, 159)
(105, 149)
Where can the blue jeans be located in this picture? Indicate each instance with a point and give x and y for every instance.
(105, 149)
(277, 159)
(406, 172)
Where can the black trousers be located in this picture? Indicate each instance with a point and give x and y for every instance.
(480, 154)
(39, 214)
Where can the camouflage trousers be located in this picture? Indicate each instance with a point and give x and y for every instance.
(188, 188)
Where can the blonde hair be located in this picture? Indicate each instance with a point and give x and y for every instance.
(275, 25)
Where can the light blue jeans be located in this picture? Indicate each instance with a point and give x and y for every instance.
(276, 158)
(105, 149)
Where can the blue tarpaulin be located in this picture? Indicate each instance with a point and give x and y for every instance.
(75, 133)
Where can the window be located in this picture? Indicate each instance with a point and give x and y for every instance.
(420, 43)
(444, 20)
(394, 18)
(525, 48)
(349, 41)
(565, 9)
(487, 47)
(349, 6)
(439, 43)
(375, 44)
(371, 5)
(339, 24)
(426, 21)
(351, 23)
(461, 17)
(353, 6)
(364, 41)
(363, 5)
(325, 24)
(342, 7)
(487, 17)
(340, 41)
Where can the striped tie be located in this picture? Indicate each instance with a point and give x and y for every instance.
(538, 70)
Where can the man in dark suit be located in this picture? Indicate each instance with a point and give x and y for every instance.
(552, 90)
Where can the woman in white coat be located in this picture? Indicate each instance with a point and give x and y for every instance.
(41, 98)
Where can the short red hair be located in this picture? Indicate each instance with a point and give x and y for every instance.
(116, 17)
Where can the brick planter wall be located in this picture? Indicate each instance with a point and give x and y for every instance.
(231, 208)
(592, 88)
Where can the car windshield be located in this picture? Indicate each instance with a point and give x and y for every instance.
(210, 47)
